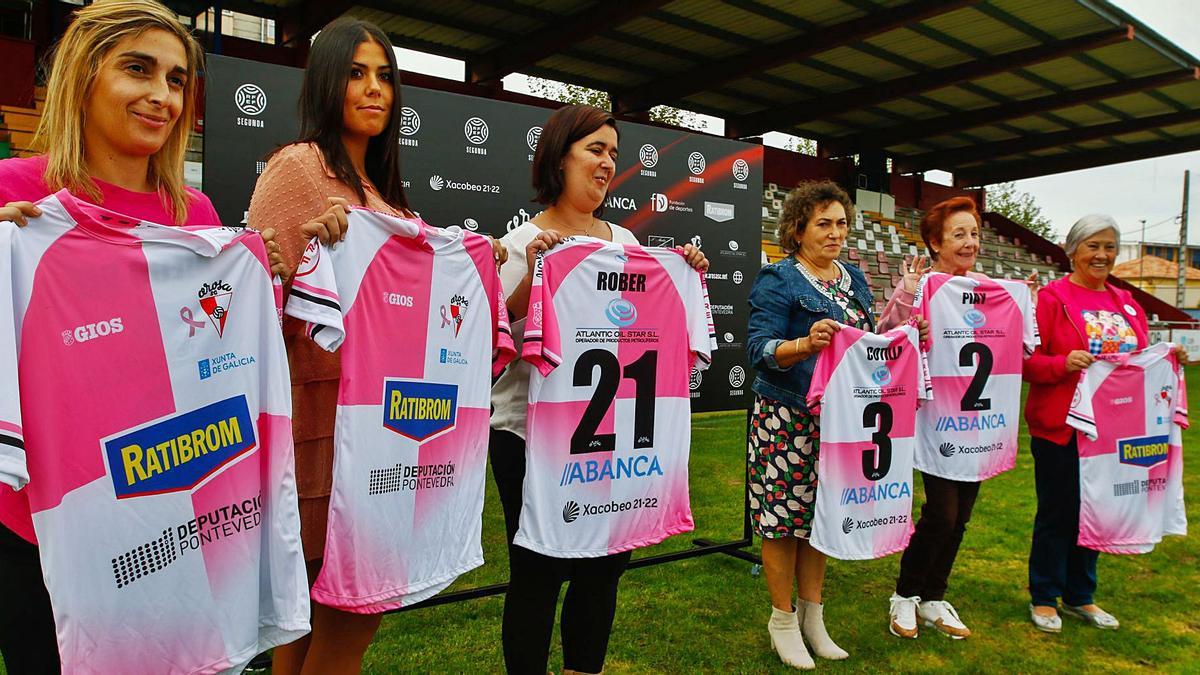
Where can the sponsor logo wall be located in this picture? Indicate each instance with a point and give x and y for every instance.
(467, 162)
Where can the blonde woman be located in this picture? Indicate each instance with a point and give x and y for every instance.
(120, 105)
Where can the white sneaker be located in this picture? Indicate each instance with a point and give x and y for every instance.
(940, 614)
(903, 615)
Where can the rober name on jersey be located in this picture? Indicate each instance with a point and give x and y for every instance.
(620, 281)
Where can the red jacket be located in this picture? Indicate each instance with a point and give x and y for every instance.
(1062, 330)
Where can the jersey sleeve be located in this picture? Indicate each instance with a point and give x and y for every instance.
(314, 297)
(1029, 333)
(1081, 415)
(702, 337)
(1181, 404)
(827, 361)
(542, 344)
(13, 469)
(503, 349)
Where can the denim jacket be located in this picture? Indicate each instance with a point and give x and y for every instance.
(784, 306)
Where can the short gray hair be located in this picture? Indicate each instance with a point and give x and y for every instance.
(1087, 227)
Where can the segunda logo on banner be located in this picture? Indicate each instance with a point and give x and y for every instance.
(179, 452)
(419, 410)
(410, 124)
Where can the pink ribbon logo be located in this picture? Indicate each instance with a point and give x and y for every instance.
(185, 314)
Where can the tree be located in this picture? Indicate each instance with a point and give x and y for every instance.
(574, 93)
(1019, 207)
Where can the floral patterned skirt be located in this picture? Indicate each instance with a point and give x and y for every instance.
(782, 457)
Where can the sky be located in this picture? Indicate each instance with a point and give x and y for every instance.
(1151, 189)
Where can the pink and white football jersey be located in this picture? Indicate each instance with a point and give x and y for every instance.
(613, 331)
(865, 387)
(980, 331)
(144, 367)
(421, 323)
(1130, 410)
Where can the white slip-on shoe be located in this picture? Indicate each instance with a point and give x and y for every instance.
(902, 616)
(1046, 624)
(1099, 618)
(941, 615)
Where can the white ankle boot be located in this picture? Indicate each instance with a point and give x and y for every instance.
(812, 623)
(787, 641)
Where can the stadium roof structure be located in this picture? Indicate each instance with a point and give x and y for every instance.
(991, 90)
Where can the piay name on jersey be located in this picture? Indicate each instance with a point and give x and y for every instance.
(179, 452)
(620, 281)
(591, 470)
(973, 298)
(877, 492)
(971, 422)
(1145, 451)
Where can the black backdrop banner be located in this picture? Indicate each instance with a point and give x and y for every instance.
(467, 162)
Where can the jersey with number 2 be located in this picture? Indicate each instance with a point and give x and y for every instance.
(980, 330)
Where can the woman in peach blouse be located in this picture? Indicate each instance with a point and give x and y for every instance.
(348, 153)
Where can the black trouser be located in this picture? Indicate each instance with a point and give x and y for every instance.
(536, 579)
(1058, 566)
(926, 563)
(27, 638)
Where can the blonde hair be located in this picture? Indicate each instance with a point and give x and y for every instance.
(75, 64)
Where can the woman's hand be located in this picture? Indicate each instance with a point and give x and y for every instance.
(914, 269)
(330, 226)
(695, 257)
(1032, 282)
(923, 328)
(1181, 355)
(544, 241)
(274, 256)
(821, 334)
(1079, 359)
(499, 253)
(17, 212)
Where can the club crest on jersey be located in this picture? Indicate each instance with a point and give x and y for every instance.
(310, 258)
(1164, 395)
(419, 410)
(215, 298)
(454, 313)
(1144, 451)
(179, 452)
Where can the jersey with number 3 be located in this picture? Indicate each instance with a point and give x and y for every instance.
(419, 317)
(980, 330)
(865, 388)
(613, 331)
(1130, 410)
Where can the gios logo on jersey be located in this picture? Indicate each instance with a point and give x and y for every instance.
(419, 410)
(179, 452)
(1144, 451)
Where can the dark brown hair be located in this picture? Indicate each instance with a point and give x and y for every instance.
(322, 96)
(567, 125)
(935, 218)
(800, 205)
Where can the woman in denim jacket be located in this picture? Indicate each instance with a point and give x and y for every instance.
(796, 305)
